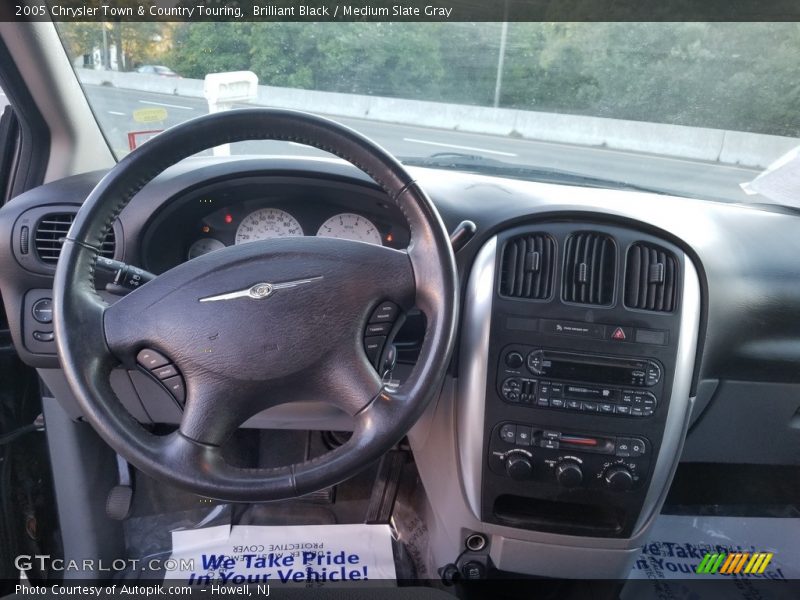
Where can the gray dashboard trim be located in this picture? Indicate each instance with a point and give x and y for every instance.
(680, 400)
(472, 381)
(472, 385)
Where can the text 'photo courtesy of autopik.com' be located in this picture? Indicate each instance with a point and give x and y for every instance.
(400, 299)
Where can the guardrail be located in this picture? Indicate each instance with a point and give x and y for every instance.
(679, 141)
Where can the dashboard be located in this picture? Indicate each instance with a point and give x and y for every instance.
(605, 335)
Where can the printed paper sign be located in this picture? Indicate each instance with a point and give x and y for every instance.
(310, 555)
(747, 556)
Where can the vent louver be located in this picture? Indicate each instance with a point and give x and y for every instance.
(528, 265)
(650, 278)
(50, 234)
(589, 268)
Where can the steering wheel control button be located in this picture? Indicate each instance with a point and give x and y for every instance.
(176, 388)
(385, 313)
(44, 336)
(377, 329)
(165, 372)
(373, 347)
(150, 359)
(42, 310)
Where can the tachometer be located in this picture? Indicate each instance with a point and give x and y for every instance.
(204, 246)
(267, 223)
(350, 226)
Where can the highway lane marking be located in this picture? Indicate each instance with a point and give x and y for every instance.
(457, 147)
(166, 105)
(114, 112)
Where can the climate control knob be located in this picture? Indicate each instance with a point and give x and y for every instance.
(569, 474)
(618, 478)
(519, 467)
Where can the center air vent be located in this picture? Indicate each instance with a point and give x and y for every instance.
(528, 265)
(650, 278)
(51, 231)
(589, 265)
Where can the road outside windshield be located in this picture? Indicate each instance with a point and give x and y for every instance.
(692, 109)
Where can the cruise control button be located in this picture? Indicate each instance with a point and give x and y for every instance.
(377, 329)
(165, 372)
(175, 387)
(42, 310)
(44, 336)
(373, 347)
(150, 359)
(385, 313)
(508, 433)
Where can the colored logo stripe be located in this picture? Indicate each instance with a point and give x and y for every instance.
(729, 564)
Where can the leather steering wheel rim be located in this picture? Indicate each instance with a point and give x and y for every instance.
(93, 337)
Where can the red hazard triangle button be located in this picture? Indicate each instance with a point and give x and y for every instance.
(618, 334)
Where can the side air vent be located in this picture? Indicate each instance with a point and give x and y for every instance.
(589, 265)
(528, 265)
(650, 278)
(51, 231)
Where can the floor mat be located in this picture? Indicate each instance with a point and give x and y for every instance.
(691, 557)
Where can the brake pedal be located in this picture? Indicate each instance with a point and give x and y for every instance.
(120, 497)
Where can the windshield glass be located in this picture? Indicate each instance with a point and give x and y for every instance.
(687, 108)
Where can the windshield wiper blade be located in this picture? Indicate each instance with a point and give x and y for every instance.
(491, 166)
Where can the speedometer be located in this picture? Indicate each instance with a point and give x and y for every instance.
(350, 226)
(267, 223)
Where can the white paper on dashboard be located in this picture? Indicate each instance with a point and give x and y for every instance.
(304, 554)
(780, 182)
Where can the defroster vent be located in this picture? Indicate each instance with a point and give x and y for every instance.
(651, 278)
(528, 266)
(51, 231)
(589, 268)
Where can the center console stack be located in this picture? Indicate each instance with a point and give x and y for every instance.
(585, 322)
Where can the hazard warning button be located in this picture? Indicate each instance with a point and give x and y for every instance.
(621, 334)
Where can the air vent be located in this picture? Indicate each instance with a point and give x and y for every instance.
(50, 234)
(589, 265)
(650, 278)
(528, 267)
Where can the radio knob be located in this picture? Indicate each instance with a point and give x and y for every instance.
(514, 360)
(618, 478)
(519, 467)
(569, 474)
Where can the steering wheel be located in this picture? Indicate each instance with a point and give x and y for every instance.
(252, 326)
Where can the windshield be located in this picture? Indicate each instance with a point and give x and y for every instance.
(686, 108)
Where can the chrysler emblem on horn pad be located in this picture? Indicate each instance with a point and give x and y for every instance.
(259, 291)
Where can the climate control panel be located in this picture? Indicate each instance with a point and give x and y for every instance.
(525, 452)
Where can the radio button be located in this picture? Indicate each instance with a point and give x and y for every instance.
(544, 389)
(536, 362)
(637, 411)
(523, 437)
(574, 404)
(653, 373)
(622, 409)
(514, 360)
(508, 433)
(557, 403)
(589, 406)
(543, 402)
(556, 390)
(606, 408)
(627, 397)
(511, 389)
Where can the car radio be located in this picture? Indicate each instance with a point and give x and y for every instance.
(558, 380)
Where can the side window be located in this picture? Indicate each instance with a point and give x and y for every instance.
(9, 138)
